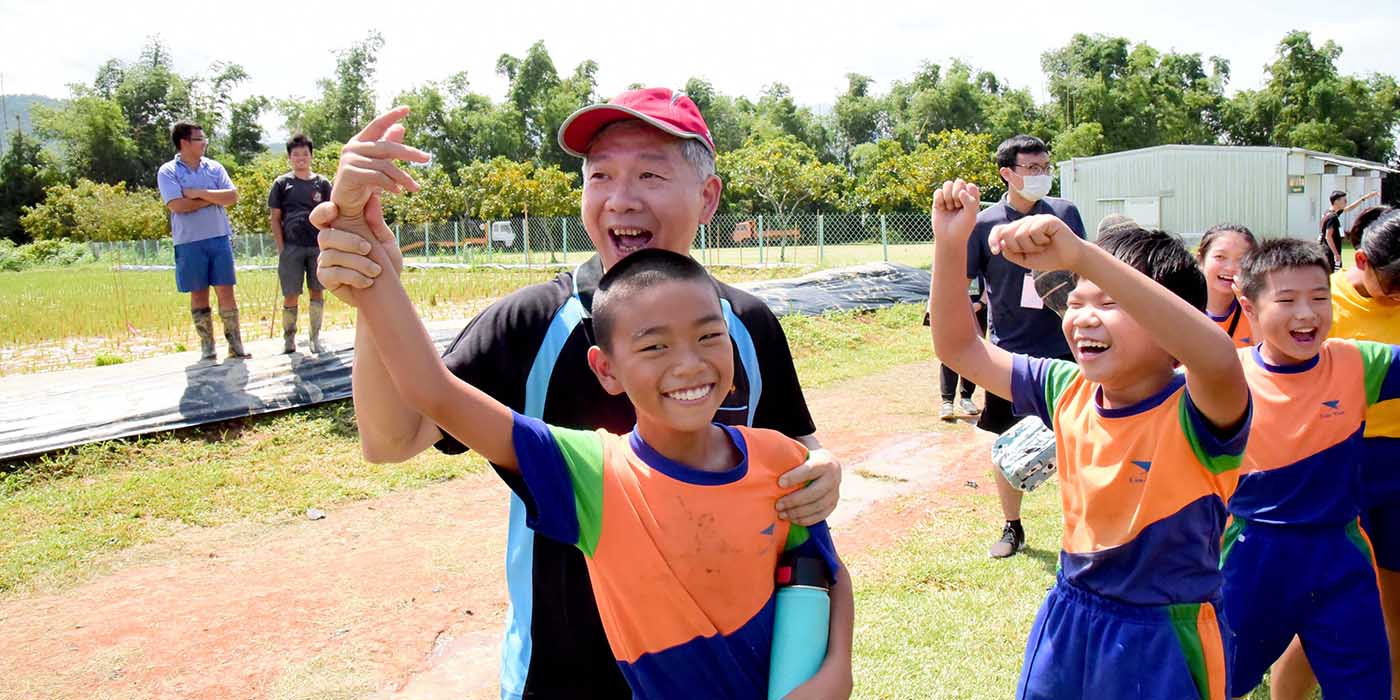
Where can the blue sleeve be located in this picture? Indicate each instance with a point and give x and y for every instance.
(224, 182)
(1073, 220)
(818, 545)
(977, 252)
(1028, 387)
(546, 475)
(169, 186)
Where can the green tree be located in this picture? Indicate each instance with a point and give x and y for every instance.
(25, 170)
(502, 188)
(1307, 103)
(346, 102)
(244, 132)
(783, 174)
(93, 136)
(1138, 96)
(541, 100)
(894, 180)
(94, 211)
(1083, 139)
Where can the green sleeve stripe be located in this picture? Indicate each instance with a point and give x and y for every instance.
(1216, 464)
(797, 536)
(583, 454)
(1375, 362)
(1184, 618)
(1058, 375)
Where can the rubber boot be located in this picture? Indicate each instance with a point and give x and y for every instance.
(232, 334)
(318, 312)
(204, 327)
(289, 330)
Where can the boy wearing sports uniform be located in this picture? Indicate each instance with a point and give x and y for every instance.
(1147, 456)
(675, 517)
(1294, 558)
(290, 201)
(649, 182)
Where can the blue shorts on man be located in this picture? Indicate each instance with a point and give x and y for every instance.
(204, 263)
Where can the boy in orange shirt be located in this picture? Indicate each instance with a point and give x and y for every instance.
(676, 519)
(1147, 456)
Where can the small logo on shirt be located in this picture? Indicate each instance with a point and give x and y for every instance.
(1331, 409)
(1145, 466)
(768, 530)
(316, 196)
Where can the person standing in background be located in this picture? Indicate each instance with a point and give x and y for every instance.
(198, 193)
(290, 201)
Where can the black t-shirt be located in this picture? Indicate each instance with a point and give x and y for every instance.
(498, 352)
(296, 198)
(1331, 230)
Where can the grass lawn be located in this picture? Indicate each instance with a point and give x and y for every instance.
(63, 513)
(60, 318)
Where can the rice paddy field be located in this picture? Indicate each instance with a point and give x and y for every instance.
(61, 318)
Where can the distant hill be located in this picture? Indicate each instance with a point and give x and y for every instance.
(20, 105)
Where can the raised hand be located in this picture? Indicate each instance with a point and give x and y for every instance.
(1040, 242)
(954, 212)
(367, 168)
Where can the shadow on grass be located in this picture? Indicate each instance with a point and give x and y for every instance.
(1049, 560)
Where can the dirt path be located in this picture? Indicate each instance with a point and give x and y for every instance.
(404, 596)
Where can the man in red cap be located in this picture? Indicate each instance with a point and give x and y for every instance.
(648, 182)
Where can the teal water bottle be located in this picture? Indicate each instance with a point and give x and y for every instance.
(800, 623)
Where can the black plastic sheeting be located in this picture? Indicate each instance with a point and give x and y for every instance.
(44, 412)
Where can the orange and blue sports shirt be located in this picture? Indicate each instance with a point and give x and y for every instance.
(682, 560)
(1235, 324)
(1304, 468)
(1143, 487)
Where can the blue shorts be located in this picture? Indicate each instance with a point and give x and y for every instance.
(1380, 497)
(1086, 646)
(204, 264)
(1318, 583)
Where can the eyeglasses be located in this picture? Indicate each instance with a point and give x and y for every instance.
(1038, 169)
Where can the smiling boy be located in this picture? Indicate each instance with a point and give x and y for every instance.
(1295, 560)
(1147, 456)
(674, 517)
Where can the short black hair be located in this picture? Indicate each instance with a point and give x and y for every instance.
(1381, 244)
(633, 273)
(301, 140)
(1015, 146)
(1367, 217)
(1217, 231)
(1278, 254)
(182, 131)
(1336, 195)
(1161, 256)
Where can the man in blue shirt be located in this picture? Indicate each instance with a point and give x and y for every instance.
(198, 193)
(1019, 319)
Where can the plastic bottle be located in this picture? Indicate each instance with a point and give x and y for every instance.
(800, 624)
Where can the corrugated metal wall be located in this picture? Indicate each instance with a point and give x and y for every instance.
(1198, 186)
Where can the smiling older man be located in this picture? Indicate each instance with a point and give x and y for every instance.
(648, 182)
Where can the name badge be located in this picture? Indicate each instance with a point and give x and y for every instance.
(1029, 298)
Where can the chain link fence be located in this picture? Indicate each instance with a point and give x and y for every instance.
(800, 239)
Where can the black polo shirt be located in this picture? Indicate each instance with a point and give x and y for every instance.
(530, 351)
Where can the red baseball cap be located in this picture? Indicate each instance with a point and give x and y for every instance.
(663, 108)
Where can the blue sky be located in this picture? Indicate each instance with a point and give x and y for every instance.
(738, 46)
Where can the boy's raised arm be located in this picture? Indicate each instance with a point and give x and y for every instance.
(476, 419)
(1214, 375)
(956, 339)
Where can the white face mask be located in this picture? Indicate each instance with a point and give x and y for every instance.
(1033, 187)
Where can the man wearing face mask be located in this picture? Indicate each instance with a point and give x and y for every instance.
(1019, 319)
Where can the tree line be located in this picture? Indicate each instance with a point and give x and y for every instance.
(89, 168)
